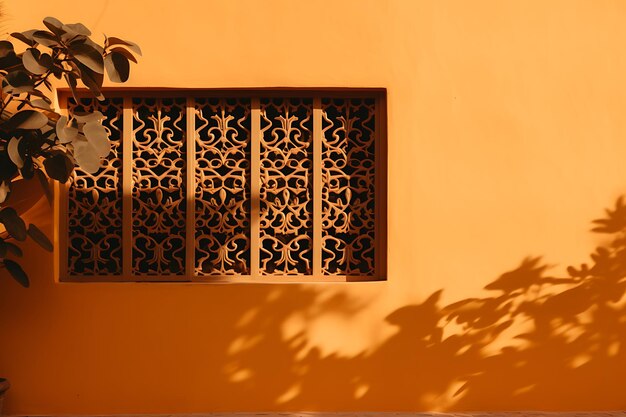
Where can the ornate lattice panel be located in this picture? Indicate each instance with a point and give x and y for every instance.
(233, 186)
(94, 245)
(286, 186)
(158, 173)
(222, 186)
(348, 186)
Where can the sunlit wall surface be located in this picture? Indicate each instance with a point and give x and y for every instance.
(506, 138)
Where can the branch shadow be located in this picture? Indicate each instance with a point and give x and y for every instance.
(534, 341)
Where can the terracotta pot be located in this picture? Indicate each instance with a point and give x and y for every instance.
(4, 386)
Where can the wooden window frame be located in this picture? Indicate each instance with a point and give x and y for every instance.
(380, 232)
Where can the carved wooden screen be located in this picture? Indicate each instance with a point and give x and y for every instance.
(217, 186)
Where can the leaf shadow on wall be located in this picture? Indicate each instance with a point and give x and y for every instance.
(535, 341)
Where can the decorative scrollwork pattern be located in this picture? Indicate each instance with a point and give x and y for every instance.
(158, 178)
(285, 239)
(231, 234)
(348, 179)
(222, 186)
(95, 201)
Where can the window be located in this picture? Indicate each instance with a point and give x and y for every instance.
(236, 186)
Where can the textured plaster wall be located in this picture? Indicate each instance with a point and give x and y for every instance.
(507, 136)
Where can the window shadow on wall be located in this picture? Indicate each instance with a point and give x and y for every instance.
(534, 341)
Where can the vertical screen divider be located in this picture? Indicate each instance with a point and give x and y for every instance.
(190, 192)
(127, 188)
(377, 192)
(255, 187)
(380, 191)
(381, 197)
(317, 186)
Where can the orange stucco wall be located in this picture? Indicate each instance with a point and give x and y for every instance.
(507, 136)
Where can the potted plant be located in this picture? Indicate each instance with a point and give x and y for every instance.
(36, 141)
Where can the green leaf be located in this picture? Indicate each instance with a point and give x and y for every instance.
(30, 59)
(131, 45)
(43, 180)
(65, 133)
(58, 167)
(92, 80)
(57, 71)
(46, 60)
(126, 53)
(87, 156)
(13, 223)
(40, 104)
(72, 37)
(45, 38)
(28, 170)
(74, 68)
(98, 138)
(94, 45)
(5, 189)
(117, 66)
(26, 37)
(10, 62)
(39, 237)
(71, 81)
(78, 28)
(6, 48)
(39, 94)
(82, 117)
(55, 25)
(7, 168)
(26, 119)
(17, 82)
(17, 272)
(88, 56)
(14, 249)
(14, 153)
